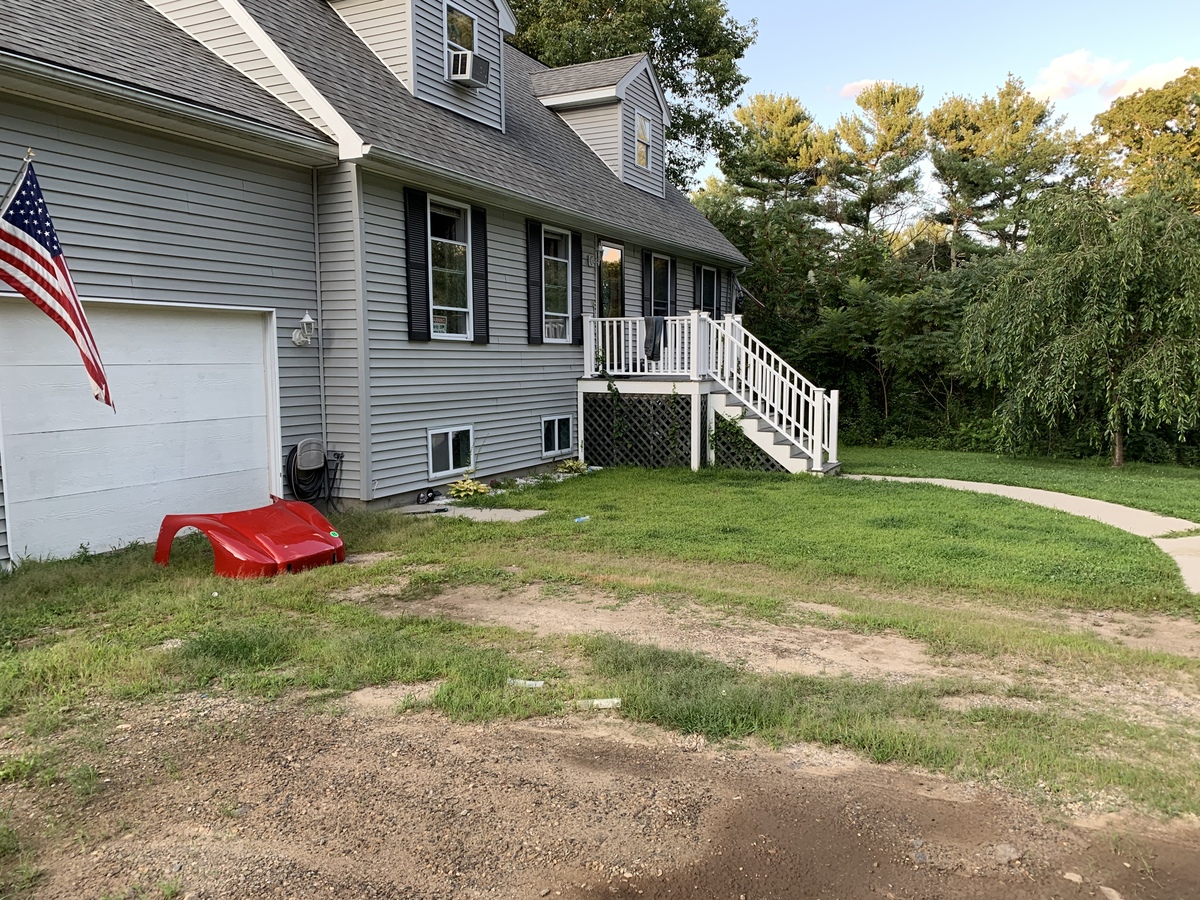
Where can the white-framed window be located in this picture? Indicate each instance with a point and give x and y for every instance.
(450, 450)
(660, 285)
(556, 285)
(460, 29)
(645, 129)
(708, 290)
(556, 435)
(449, 269)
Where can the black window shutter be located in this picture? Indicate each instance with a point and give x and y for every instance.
(576, 288)
(720, 294)
(479, 274)
(416, 253)
(647, 283)
(533, 254)
(673, 303)
(697, 286)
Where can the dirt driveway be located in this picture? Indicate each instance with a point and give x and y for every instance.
(209, 796)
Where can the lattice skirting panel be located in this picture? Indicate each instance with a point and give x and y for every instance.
(651, 431)
(733, 450)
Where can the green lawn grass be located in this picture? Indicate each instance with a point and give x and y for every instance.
(939, 566)
(891, 534)
(1169, 490)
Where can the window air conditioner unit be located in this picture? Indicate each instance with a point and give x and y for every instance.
(468, 69)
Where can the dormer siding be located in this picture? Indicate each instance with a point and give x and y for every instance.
(485, 104)
(641, 98)
(600, 129)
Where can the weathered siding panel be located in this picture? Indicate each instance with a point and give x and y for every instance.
(429, 34)
(145, 218)
(383, 26)
(338, 206)
(210, 24)
(5, 555)
(600, 129)
(502, 389)
(640, 97)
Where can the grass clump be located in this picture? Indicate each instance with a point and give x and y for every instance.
(1052, 751)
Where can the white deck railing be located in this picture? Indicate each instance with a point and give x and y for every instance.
(618, 347)
(696, 347)
(771, 389)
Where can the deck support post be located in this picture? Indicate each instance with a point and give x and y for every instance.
(580, 420)
(697, 423)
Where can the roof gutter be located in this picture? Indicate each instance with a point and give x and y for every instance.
(393, 163)
(94, 94)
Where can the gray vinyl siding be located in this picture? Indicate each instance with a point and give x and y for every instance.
(685, 296)
(209, 23)
(502, 389)
(145, 218)
(5, 556)
(338, 206)
(640, 97)
(482, 104)
(383, 26)
(600, 129)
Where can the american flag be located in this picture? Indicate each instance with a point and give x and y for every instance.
(31, 262)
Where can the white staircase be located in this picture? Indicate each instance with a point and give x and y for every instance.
(762, 433)
(785, 414)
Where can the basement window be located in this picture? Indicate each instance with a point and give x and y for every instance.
(450, 450)
(556, 435)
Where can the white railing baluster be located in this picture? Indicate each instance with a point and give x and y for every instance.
(768, 387)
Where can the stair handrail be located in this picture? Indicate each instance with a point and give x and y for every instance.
(767, 385)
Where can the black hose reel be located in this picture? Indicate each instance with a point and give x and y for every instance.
(311, 472)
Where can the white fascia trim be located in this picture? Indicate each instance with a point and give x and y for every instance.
(645, 66)
(580, 98)
(350, 145)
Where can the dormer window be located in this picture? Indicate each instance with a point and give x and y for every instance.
(643, 141)
(460, 30)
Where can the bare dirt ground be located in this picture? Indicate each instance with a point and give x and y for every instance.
(209, 796)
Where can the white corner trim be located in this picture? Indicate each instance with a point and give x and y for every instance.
(350, 145)
(508, 21)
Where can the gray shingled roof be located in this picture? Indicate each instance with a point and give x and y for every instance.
(130, 43)
(584, 76)
(537, 156)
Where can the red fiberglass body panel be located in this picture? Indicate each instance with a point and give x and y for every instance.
(287, 536)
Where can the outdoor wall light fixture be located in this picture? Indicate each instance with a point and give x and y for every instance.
(303, 335)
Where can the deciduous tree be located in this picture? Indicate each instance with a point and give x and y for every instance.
(1101, 312)
(1151, 136)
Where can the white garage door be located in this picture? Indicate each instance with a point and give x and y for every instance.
(194, 429)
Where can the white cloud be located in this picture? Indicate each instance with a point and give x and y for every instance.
(1154, 76)
(854, 88)
(1068, 74)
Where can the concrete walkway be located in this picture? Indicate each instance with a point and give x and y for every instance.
(1185, 551)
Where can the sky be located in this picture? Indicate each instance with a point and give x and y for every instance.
(1078, 54)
